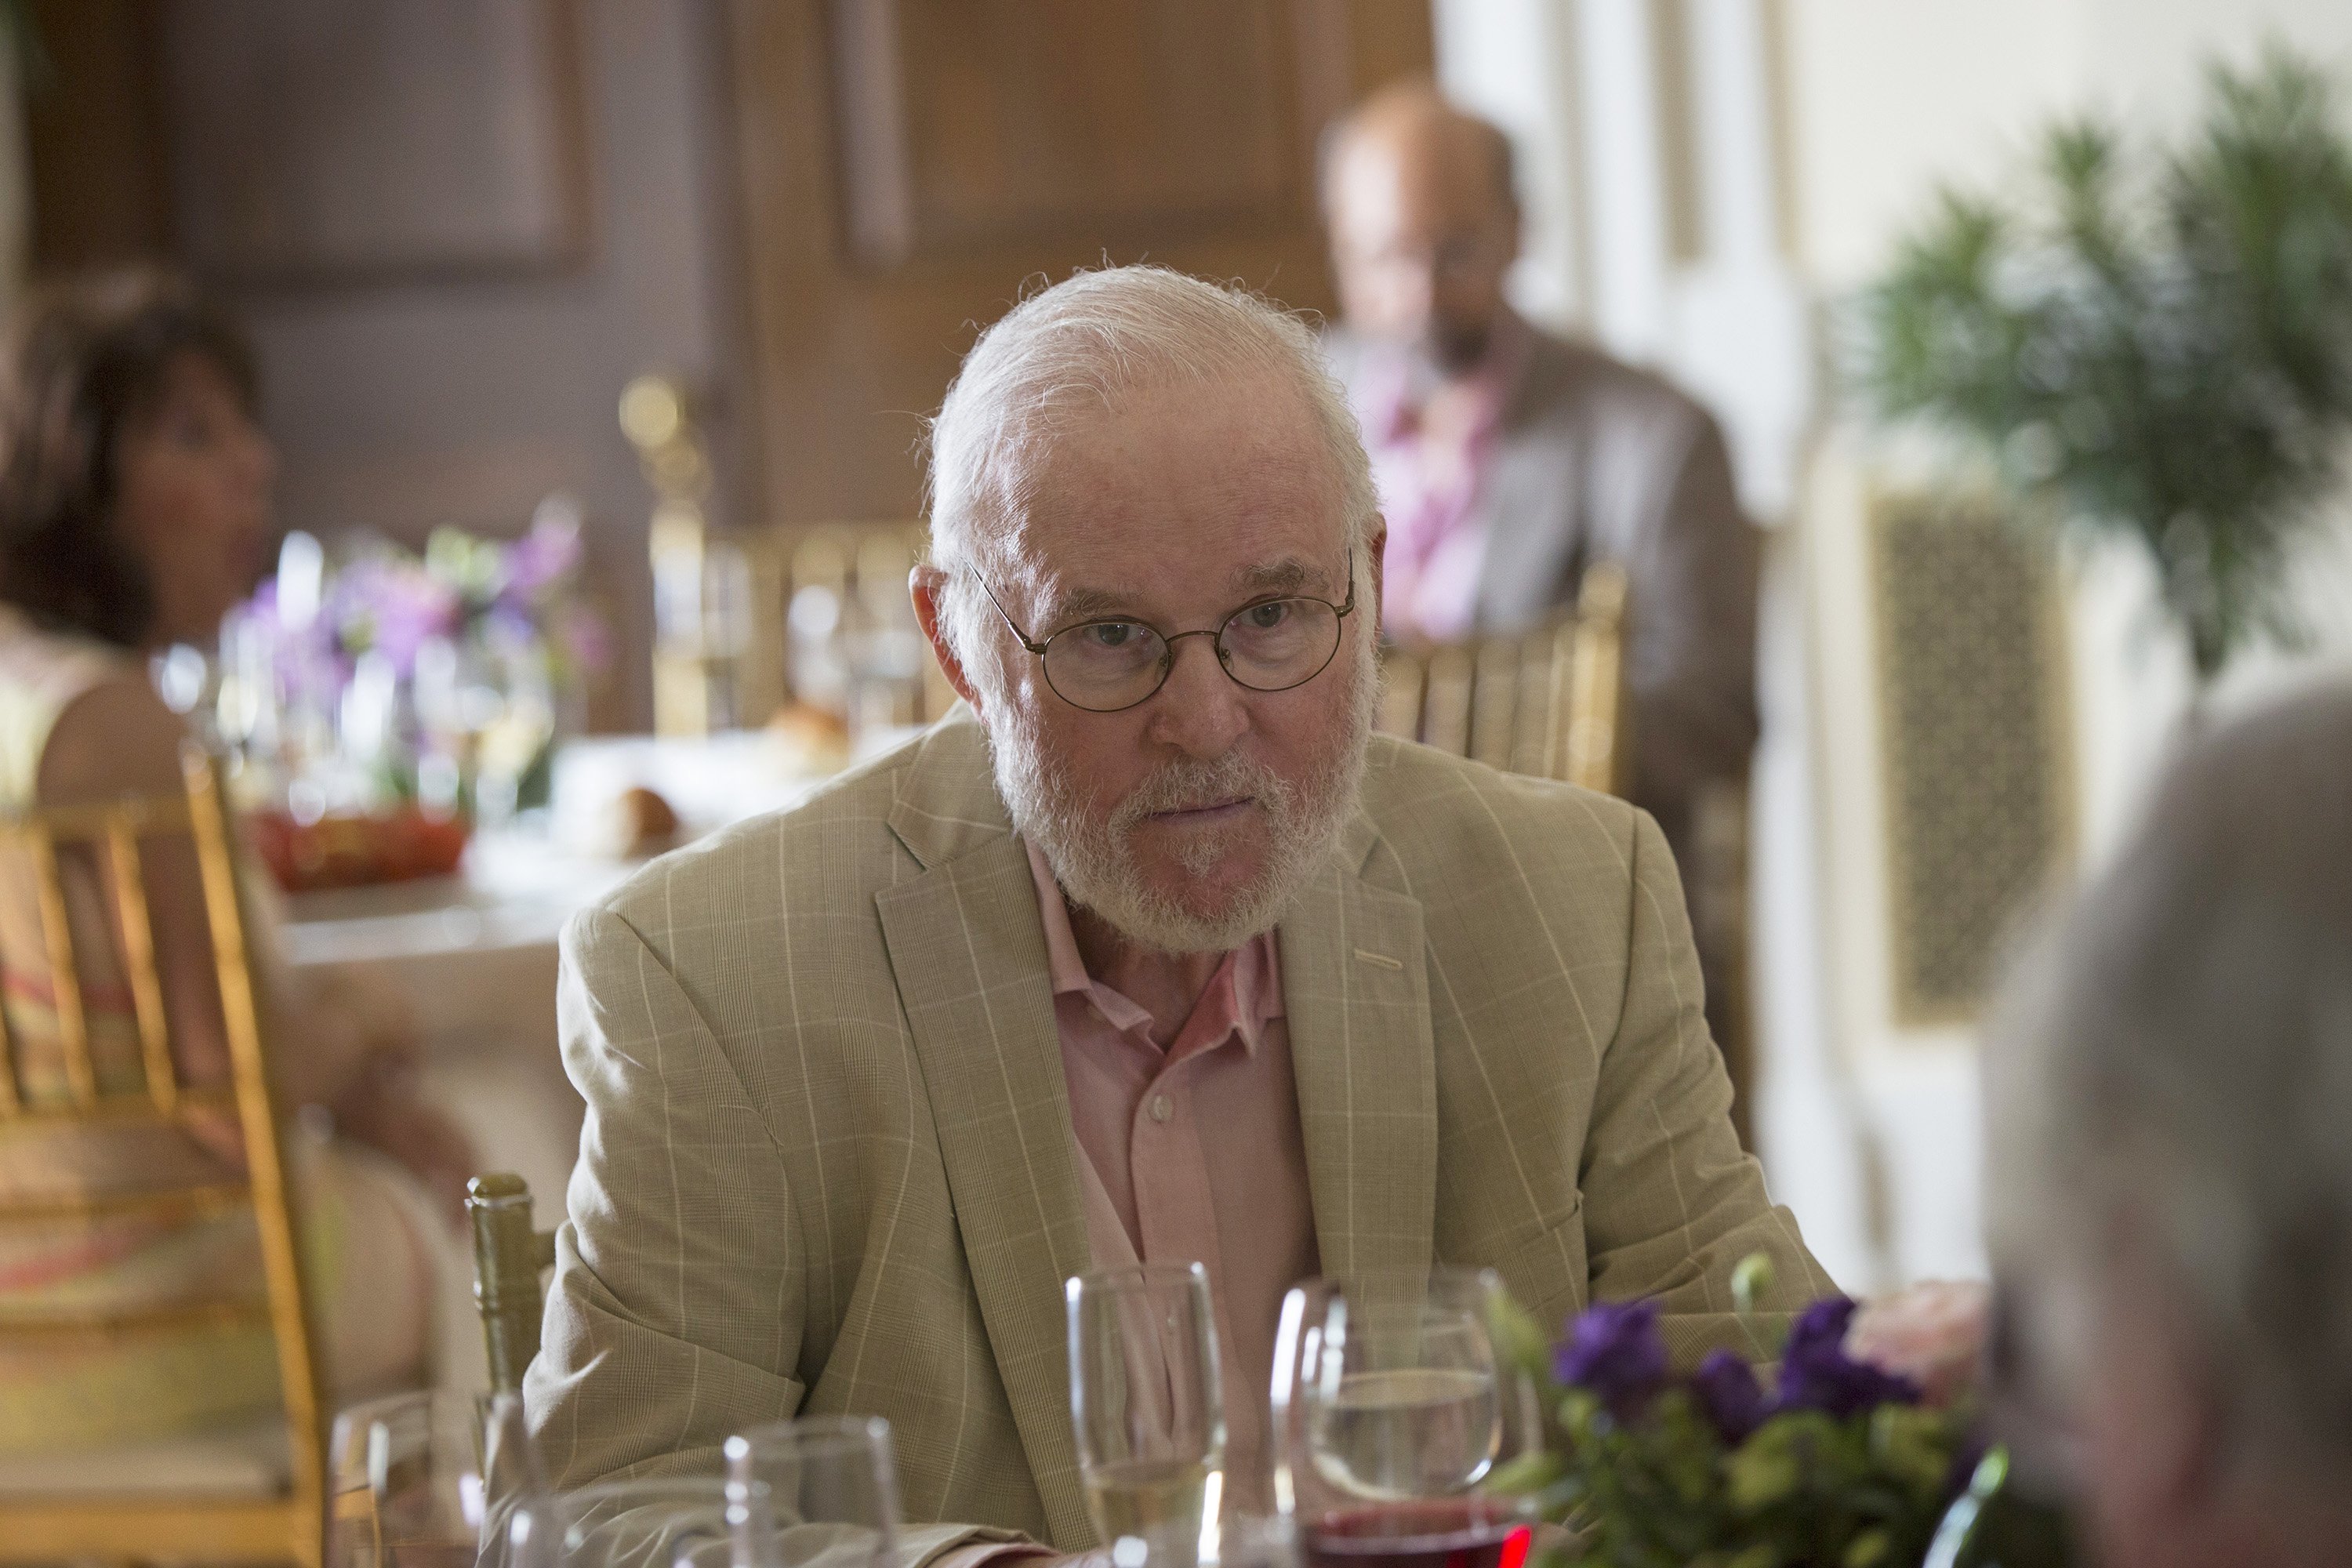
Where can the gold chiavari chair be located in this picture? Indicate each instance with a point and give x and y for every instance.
(1551, 702)
(510, 1256)
(850, 575)
(116, 1510)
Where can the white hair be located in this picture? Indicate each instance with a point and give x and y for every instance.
(2172, 1075)
(1076, 347)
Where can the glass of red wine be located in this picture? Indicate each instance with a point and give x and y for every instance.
(1390, 1410)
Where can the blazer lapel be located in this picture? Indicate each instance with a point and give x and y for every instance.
(1355, 987)
(969, 954)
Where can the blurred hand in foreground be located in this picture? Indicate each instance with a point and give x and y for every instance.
(1933, 1334)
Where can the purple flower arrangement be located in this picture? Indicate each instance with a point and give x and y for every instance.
(1825, 1459)
(438, 646)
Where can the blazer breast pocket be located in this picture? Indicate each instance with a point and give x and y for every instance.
(1544, 1269)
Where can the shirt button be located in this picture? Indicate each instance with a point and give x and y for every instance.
(1160, 1110)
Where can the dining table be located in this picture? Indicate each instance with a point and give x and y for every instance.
(473, 957)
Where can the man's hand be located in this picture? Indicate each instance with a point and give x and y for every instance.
(1933, 1334)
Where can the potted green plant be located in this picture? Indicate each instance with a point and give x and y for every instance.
(2155, 345)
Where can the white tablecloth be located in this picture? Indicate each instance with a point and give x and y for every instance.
(474, 954)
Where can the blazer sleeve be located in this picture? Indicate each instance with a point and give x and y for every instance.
(676, 1316)
(1671, 1201)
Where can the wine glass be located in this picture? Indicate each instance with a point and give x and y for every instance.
(1149, 1418)
(678, 1521)
(1390, 1410)
(831, 1486)
(412, 1476)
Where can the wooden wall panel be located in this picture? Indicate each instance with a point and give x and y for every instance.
(910, 166)
(967, 124)
(94, 136)
(375, 139)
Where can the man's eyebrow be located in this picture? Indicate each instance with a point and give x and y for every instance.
(1284, 576)
(1084, 605)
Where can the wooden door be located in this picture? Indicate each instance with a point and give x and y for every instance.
(910, 166)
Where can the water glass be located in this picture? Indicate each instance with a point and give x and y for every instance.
(1390, 1410)
(830, 1484)
(683, 1521)
(411, 1477)
(1148, 1412)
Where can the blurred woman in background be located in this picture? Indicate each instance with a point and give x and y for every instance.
(134, 513)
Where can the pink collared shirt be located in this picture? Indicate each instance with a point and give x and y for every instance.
(1193, 1154)
(1429, 447)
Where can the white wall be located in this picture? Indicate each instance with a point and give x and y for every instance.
(1887, 101)
(1823, 128)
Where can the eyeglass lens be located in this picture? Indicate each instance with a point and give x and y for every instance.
(1270, 646)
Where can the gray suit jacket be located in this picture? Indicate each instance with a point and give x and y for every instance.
(829, 1167)
(1599, 461)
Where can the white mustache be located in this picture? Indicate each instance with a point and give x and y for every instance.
(1190, 785)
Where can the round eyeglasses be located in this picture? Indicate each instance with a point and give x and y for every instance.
(1108, 666)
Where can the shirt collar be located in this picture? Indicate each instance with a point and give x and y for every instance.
(1245, 995)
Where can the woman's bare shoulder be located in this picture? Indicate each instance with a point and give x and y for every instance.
(115, 738)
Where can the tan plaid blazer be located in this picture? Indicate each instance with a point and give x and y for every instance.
(828, 1163)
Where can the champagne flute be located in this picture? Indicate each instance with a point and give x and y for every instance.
(1390, 1409)
(413, 1475)
(831, 1486)
(1149, 1418)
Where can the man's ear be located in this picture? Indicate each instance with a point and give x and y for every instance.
(924, 585)
(1378, 546)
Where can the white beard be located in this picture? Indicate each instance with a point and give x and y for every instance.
(1094, 864)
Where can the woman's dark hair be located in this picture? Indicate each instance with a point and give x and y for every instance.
(84, 361)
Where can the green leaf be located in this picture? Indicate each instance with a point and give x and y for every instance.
(1751, 1281)
(1517, 1336)
(1765, 1469)
(1525, 1475)
(1914, 1446)
(1867, 1550)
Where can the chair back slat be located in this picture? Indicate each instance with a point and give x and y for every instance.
(1445, 701)
(1598, 756)
(1560, 682)
(65, 978)
(138, 964)
(12, 1098)
(1535, 707)
(1549, 703)
(1404, 674)
(265, 1157)
(1494, 700)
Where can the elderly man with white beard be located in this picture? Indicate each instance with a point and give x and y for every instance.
(1155, 952)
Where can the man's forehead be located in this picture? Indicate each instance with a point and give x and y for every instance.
(1079, 591)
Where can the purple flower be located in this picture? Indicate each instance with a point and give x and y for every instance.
(391, 606)
(545, 555)
(1614, 1351)
(585, 638)
(1726, 1390)
(1817, 1374)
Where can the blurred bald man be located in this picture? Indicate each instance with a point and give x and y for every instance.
(1508, 460)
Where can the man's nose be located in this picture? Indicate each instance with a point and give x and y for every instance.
(1199, 711)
